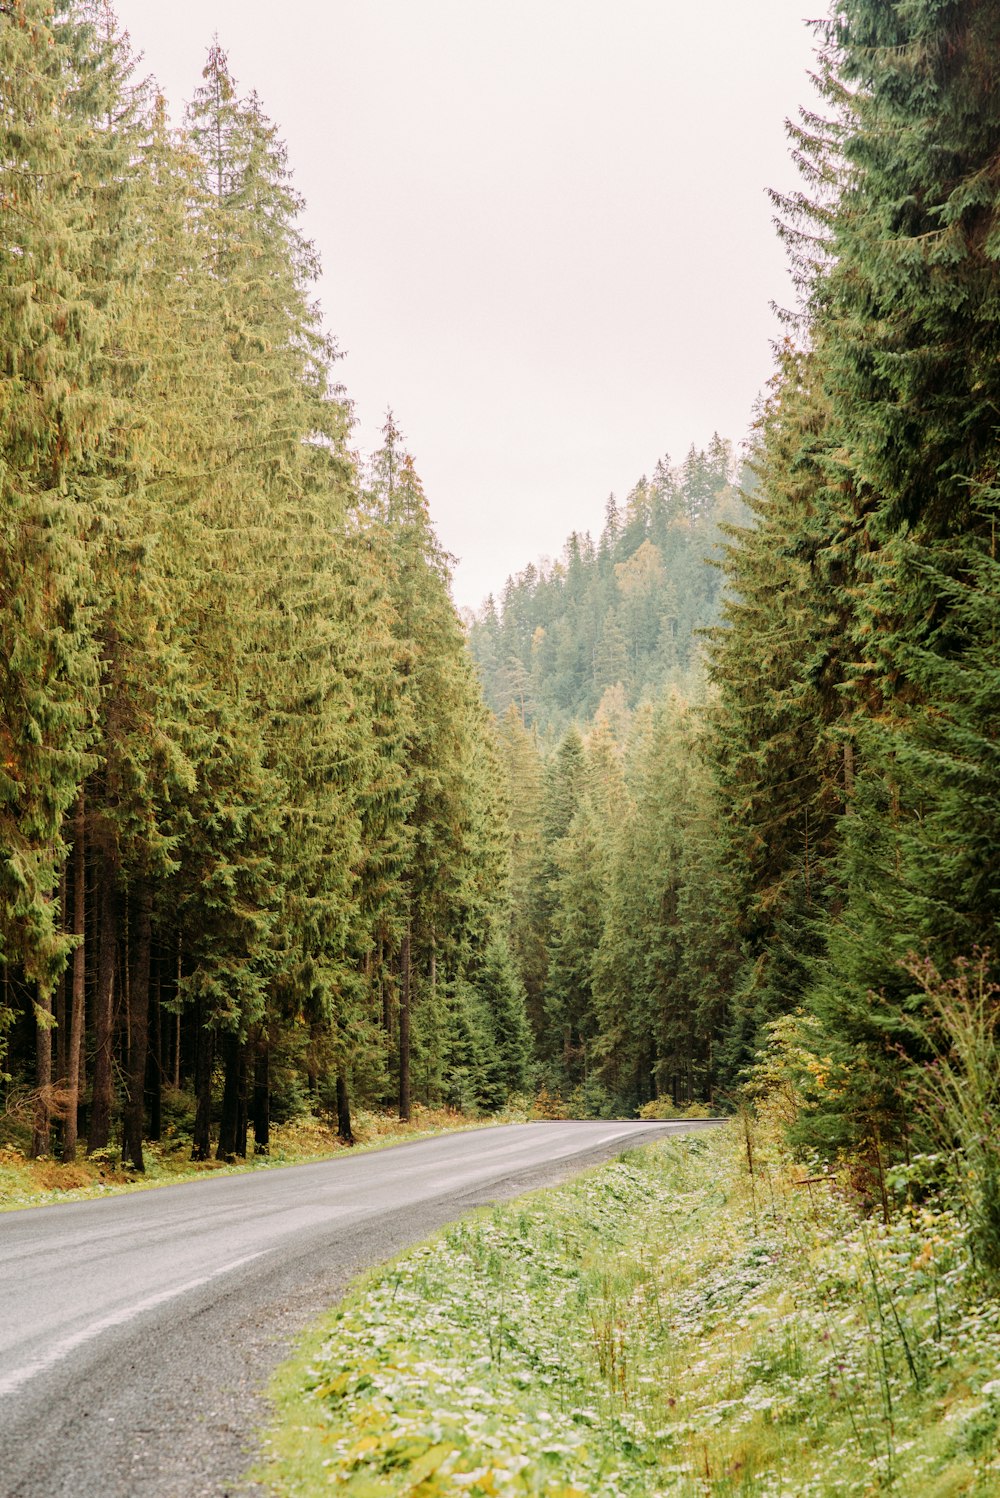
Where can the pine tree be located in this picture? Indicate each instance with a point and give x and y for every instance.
(665, 955)
(507, 1067)
(282, 495)
(453, 884)
(522, 765)
(781, 744)
(58, 407)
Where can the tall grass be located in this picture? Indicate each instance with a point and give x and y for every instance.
(960, 1092)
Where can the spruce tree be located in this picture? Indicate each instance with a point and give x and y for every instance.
(781, 742)
(906, 318)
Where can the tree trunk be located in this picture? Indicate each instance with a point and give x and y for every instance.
(242, 1111)
(404, 1029)
(139, 966)
(385, 994)
(428, 1098)
(154, 1067)
(43, 1075)
(229, 1122)
(62, 1026)
(82, 1112)
(78, 1010)
(344, 1130)
(262, 1099)
(201, 1144)
(177, 1022)
(101, 1094)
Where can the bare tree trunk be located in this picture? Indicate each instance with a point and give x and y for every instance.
(385, 993)
(82, 1112)
(242, 1089)
(229, 1122)
(62, 1027)
(43, 1075)
(201, 1144)
(78, 1012)
(404, 1029)
(262, 1099)
(177, 1022)
(154, 1068)
(344, 1130)
(138, 989)
(100, 1108)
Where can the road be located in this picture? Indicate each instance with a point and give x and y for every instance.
(137, 1333)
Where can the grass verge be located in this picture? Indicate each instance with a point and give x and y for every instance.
(36, 1183)
(668, 1324)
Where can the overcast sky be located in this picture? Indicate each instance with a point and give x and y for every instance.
(544, 228)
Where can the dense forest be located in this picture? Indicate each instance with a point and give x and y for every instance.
(262, 841)
(795, 867)
(853, 738)
(253, 846)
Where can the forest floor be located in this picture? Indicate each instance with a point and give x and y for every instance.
(34, 1183)
(669, 1324)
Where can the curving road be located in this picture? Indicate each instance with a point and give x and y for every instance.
(137, 1333)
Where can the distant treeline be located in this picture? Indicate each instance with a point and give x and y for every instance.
(625, 613)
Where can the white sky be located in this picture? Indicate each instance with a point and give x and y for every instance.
(543, 223)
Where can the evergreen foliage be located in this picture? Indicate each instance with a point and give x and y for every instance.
(626, 611)
(868, 739)
(259, 834)
(251, 814)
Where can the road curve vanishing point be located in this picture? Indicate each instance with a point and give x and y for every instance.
(137, 1333)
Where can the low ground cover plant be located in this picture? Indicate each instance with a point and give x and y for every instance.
(700, 1317)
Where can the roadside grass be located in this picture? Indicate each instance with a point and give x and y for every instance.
(667, 1324)
(34, 1183)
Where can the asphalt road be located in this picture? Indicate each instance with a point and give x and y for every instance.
(137, 1333)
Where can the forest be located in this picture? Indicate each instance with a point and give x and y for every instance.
(626, 616)
(252, 827)
(708, 805)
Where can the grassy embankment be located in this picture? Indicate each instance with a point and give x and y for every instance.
(668, 1324)
(34, 1183)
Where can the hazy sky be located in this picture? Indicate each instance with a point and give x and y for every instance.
(544, 228)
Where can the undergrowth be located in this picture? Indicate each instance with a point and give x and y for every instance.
(701, 1317)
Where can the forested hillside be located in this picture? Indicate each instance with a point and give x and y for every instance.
(252, 844)
(622, 615)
